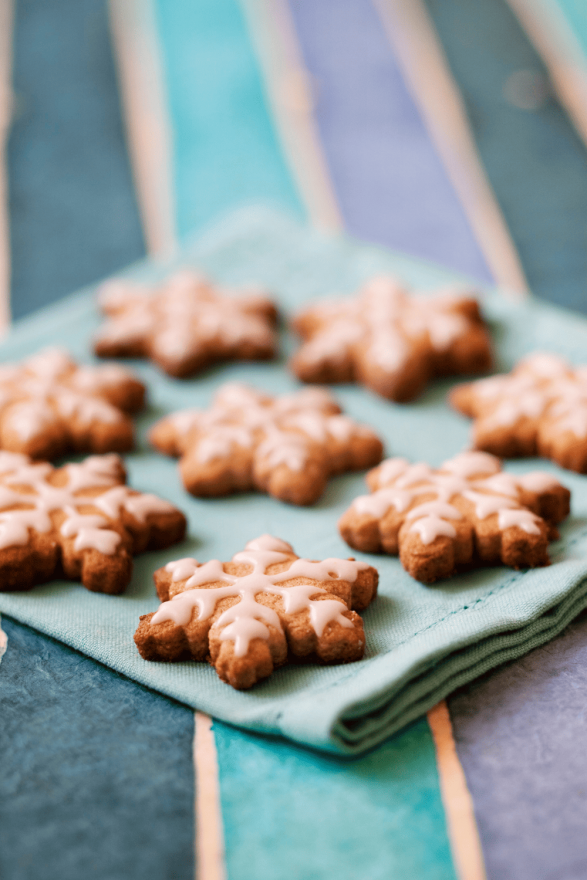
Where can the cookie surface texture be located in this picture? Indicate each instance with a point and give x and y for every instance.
(185, 324)
(79, 521)
(49, 406)
(390, 340)
(286, 446)
(249, 615)
(540, 408)
(467, 513)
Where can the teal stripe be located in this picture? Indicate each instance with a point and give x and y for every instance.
(286, 812)
(292, 813)
(575, 13)
(225, 149)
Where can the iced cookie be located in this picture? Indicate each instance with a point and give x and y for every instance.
(391, 340)
(49, 406)
(79, 521)
(249, 615)
(467, 513)
(540, 408)
(185, 324)
(286, 446)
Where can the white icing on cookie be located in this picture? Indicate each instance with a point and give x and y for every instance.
(186, 318)
(543, 388)
(383, 324)
(43, 500)
(248, 619)
(285, 430)
(49, 389)
(473, 477)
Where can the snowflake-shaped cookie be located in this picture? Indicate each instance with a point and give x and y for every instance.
(391, 340)
(466, 513)
(540, 408)
(248, 615)
(185, 324)
(79, 521)
(286, 446)
(49, 406)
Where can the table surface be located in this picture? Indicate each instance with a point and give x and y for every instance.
(442, 129)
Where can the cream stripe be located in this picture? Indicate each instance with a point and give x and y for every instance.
(428, 75)
(209, 836)
(289, 91)
(140, 73)
(458, 804)
(6, 20)
(555, 40)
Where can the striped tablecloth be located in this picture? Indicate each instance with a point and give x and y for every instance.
(452, 131)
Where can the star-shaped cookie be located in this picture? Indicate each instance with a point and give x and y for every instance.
(466, 513)
(540, 408)
(79, 521)
(286, 446)
(49, 406)
(391, 340)
(247, 616)
(185, 324)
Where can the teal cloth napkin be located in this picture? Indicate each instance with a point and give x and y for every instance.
(422, 642)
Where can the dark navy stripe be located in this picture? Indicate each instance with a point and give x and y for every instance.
(73, 213)
(536, 162)
(390, 183)
(97, 774)
(96, 779)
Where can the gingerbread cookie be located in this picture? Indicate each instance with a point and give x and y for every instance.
(466, 513)
(49, 405)
(286, 446)
(248, 615)
(390, 340)
(79, 521)
(540, 408)
(185, 324)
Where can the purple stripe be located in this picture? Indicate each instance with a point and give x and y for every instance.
(520, 734)
(389, 180)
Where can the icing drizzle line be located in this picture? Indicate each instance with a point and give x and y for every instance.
(248, 619)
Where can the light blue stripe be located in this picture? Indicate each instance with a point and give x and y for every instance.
(225, 148)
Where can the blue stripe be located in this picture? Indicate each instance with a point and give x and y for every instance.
(97, 777)
(389, 180)
(535, 160)
(73, 214)
(225, 147)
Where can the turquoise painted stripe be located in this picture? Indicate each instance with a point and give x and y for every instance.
(292, 813)
(575, 12)
(287, 812)
(226, 151)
